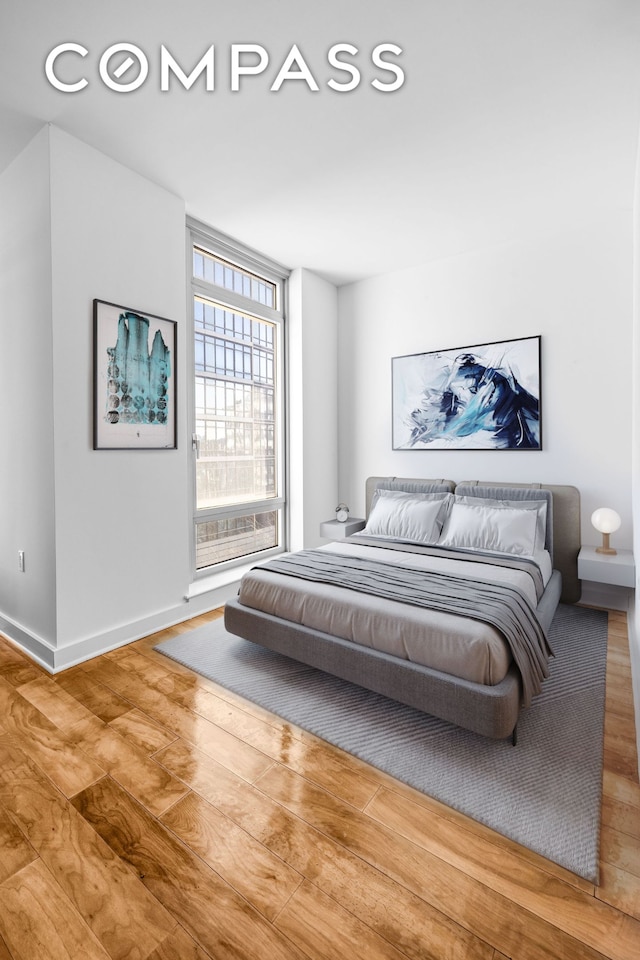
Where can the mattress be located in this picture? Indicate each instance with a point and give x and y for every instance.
(456, 645)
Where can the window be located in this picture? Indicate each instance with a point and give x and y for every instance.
(238, 437)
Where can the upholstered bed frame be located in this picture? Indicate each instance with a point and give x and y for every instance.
(488, 710)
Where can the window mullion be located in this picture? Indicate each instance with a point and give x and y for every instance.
(231, 299)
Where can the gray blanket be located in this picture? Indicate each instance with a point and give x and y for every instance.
(502, 606)
(513, 561)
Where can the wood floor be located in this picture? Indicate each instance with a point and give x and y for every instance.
(147, 813)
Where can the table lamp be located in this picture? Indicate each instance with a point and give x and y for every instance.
(607, 521)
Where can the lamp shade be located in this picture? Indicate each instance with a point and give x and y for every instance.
(606, 520)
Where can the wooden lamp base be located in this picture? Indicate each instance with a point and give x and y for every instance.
(605, 548)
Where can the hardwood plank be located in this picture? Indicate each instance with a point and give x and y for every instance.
(512, 877)
(4, 950)
(15, 667)
(180, 880)
(221, 693)
(178, 946)
(130, 766)
(54, 702)
(617, 616)
(622, 728)
(150, 671)
(275, 738)
(618, 646)
(621, 816)
(261, 877)
(618, 672)
(123, 916)
(240, 757)
(618, 655)
(619, 689)
(325, 931)
(621, 788)
(15, 850)
(619, 702)
(362, 873)
(407, 914)
(621, 890)
(38, 921)
(429, 807)
(582, 920)
(161, 673)
(621, 757)
(96, 697)
(620, 749)
(617, 638)
(403, 918)
(140, 730)
(620, 850)
(67, 766)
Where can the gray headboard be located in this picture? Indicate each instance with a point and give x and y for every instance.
(408, 484)
(566, 518)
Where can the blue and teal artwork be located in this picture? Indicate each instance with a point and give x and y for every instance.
(134, 396)
(485, 397)
(138, 377)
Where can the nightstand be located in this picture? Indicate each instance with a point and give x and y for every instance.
(617, 568)
(335, 530)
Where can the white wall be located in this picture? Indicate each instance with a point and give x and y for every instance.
(121, 531)
(107, 533)
(312, 405)
(575, 289)
(26, 400)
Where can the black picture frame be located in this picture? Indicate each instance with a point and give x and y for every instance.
(480, 397)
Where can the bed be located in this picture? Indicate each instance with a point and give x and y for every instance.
(443, 602)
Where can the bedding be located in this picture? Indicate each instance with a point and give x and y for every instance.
(502, 525)
(413, 606)
(408, 516)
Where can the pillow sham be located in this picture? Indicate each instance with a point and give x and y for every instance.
(408, 516)
(499, 529)
(539, 506)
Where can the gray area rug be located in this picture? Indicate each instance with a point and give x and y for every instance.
(544, 793)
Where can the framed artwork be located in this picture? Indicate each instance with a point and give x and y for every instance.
(134, 379)
(483, 397)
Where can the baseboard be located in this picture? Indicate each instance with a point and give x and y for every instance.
(55, 659)
(37, 647)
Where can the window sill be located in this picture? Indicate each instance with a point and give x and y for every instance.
(223, 578)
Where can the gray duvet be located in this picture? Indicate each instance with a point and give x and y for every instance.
(446, 612)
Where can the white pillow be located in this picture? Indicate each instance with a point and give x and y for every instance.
(417, 517)
(497, 529)
(539, 506)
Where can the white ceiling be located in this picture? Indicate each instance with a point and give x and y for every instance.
(516, 117)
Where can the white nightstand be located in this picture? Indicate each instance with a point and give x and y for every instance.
(335, 530)
(617, 568)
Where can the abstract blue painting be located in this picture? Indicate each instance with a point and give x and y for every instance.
(483, 397)
(134, 379)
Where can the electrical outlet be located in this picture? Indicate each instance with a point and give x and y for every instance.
(21, 561)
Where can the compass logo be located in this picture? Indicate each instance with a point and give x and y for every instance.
(124, 67)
